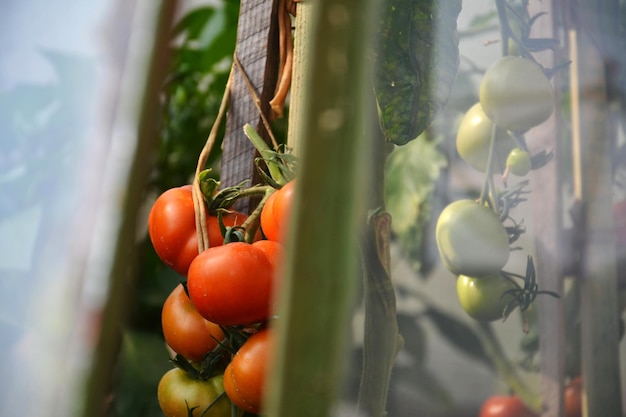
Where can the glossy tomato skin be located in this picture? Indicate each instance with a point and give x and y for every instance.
(276, 212)
(505, 406)
(482, 298)
(232, 284)
(471, 239)
(177, 390)
(185, 330)
(574, 398)
(244, 377)
(516, 94)
(172, 228)
(519, 162)
(473, 140)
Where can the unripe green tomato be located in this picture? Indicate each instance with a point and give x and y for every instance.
(519, 162)
(516, 94)
(482, 298)
(471, 239)
(473, 139)
(177, 391)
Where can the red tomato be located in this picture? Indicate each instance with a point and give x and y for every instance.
(505, 406)
(172, 228)
(244, 377)
(276, 212)
(185, 330)
(574, 398)
(232, 284)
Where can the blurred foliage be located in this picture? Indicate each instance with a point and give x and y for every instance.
(203, 42)
(416, 190)
(202, 45)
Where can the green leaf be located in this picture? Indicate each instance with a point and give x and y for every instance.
(415, 64)
(192, 24)
(459, 334)
(143, 360)
(411, 173)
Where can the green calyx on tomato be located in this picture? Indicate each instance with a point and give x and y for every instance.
(473, 140)
(519, 162)
(516, 94)
(232, 284)
(471, 239)
(178, 392)
(485, 298)
(172, 228)
(244, 377)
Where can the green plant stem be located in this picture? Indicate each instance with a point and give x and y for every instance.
(320, 275)
(505, 369)
(487, 193)
(266, 153)
(251, 225)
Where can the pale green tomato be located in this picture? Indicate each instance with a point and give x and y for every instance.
(516, 94)
(473, 139)
(519, 162)
(482, 298)
(471, 239)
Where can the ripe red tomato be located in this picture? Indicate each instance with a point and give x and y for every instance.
(185, 330)
(505, 406)
(178, 391)
(172, 228)
(232, 284)
(574, 398)
(244, 377)
(276, 212)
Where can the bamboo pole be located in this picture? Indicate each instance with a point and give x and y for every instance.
(547, 211)
(320, 271)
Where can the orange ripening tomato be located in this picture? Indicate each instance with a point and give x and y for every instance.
(276, 212)
(233, 284)
(244, 377)
(185, 330)
(574, 398)
(172, 228)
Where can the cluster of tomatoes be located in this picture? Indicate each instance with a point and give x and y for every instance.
(217, 320)
(513, 406)
(472, 239)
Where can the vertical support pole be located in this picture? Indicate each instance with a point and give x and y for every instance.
(547, 221)
(598, 275)
(257, 39)
(320, 274)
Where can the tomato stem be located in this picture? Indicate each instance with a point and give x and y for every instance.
(251, 225)
(266, 152)
(506, 370)
(487, 193)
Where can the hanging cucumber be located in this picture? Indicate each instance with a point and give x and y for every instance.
(416, 61)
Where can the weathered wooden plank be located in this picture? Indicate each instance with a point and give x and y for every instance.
(598, 275)
(256, 51)
(547, 221)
